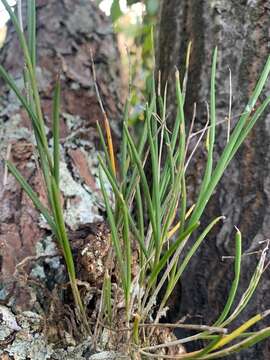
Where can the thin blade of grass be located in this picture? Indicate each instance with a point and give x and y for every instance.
(153, 110)
(155, 180)
(256, 116)
(31, 29)
(124, 159)
(234, 335)
(234, 287)
(165, 179)
(183, 209)
(37, 126)
(182, 136)
(114, 233)
(163, 103)
(184, 86)
(250, 290)
(139, 208)
(223, 341)
(208, 348)
(169, 216)
(32, 195)
(212, 129)
(246, 343)
(143, 180)
(56, 130)
(11, 83)
(127, 254)
(34, 88)
(119, 196)
(135, 176)
(59, 219)
(65, 246)
(19, 32)
(180, 155)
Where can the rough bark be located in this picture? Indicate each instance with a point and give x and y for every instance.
(240, 29)
(66, 30)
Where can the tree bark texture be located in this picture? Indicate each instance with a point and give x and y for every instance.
(66, 30)
(240, 29)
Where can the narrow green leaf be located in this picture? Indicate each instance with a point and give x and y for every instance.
(62, 233)
(20, 34)
(234, 287)
(208, 348)
(33, 196)
(143, 180)
(124, 159)
(249, 292)
(31, 29)
(182, 135)
(212, 129)
(11, 83)
(56, 130)
(155, 179)
(236, 348)
(135, 176)
(127, 252)
(33, 81)
(119, 196)
(139, 208)
(250, 123)
(114, 233)
(183, 205)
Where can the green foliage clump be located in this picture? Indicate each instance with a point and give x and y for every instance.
(149, 201)
(150, 221)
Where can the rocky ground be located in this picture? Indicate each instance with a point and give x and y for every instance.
(21, 338)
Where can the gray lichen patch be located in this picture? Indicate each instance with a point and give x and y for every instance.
(108, 355)
(8, 323)
(27, 346)
(26, 343)
(38, 272)
(47, 252)
(26, 339)
(80, 206)
(72, 121)
(46, 247)
(93, 164)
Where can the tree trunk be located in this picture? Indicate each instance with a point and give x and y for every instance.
(66, 31)
(240, 29)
